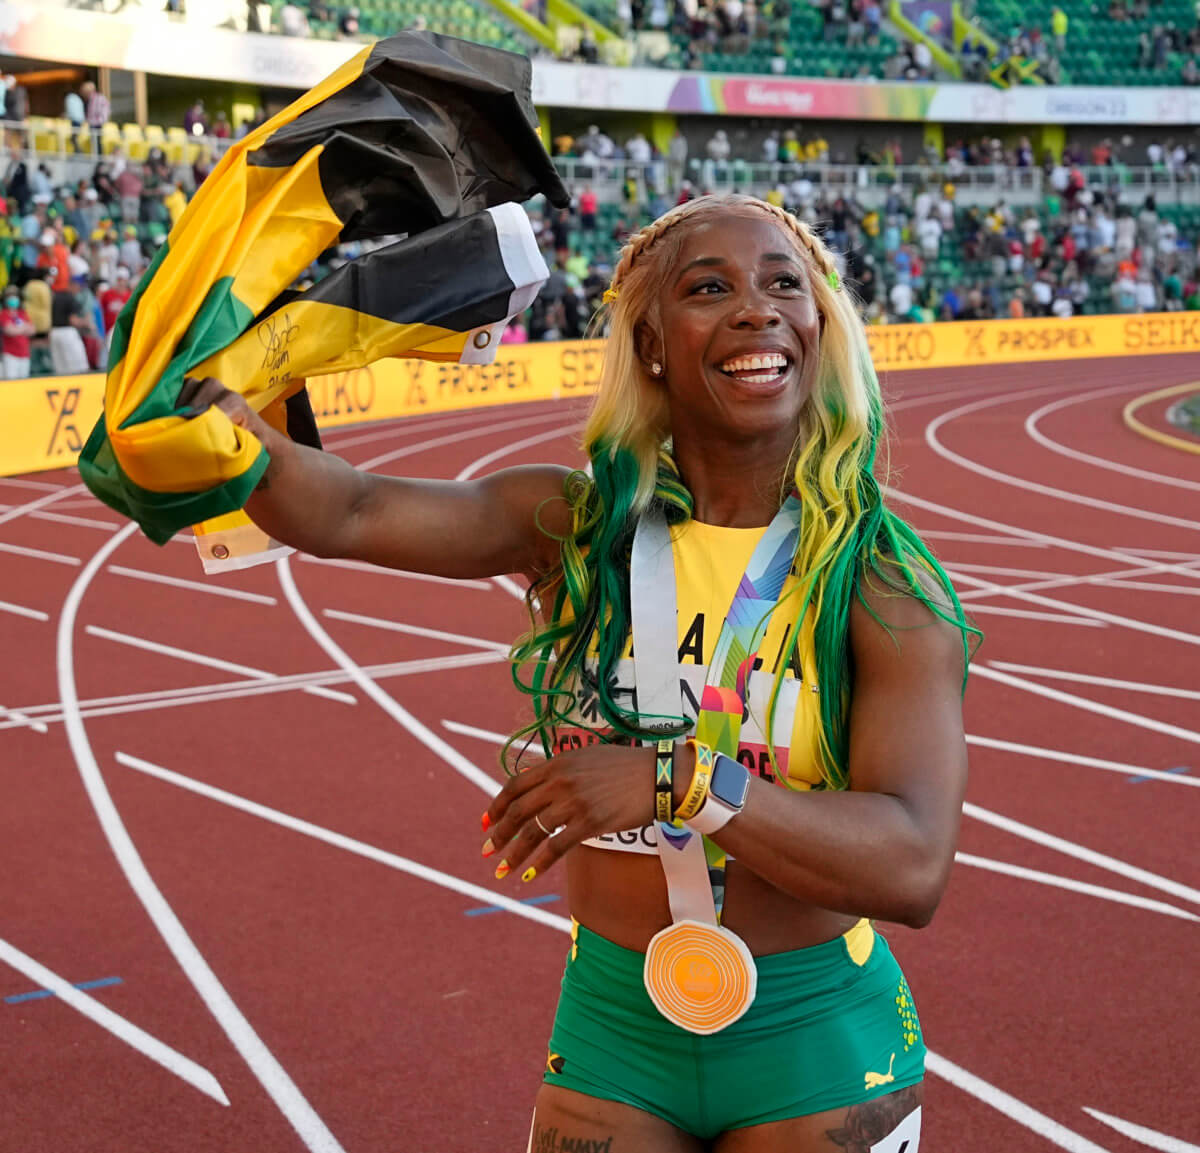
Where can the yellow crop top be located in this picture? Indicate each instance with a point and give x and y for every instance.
(709, 562)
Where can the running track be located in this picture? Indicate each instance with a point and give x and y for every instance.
(245, 812)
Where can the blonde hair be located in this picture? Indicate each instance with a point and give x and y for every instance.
(630, 408)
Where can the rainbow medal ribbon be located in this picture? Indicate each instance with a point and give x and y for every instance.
(700, 975)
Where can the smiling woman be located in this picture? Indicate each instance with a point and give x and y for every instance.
(746, 674)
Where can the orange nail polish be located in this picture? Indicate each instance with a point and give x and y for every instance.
(488, 847)
(486, 822)
(501, 870)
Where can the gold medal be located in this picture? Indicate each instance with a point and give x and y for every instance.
(701, 977)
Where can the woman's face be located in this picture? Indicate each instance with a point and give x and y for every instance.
(740, 331)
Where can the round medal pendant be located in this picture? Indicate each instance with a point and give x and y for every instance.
(701, 977)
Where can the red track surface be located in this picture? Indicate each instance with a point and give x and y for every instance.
(404, 1024)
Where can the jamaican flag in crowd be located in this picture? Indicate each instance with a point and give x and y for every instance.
(419, 136)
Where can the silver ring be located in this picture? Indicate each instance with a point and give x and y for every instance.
(538, 821)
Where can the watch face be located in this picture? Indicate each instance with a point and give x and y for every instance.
(730, 781)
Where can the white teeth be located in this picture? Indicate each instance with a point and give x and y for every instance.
(771, 360)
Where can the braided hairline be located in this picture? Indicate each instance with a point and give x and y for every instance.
(647, 237)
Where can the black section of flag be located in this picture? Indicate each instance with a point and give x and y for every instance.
(413, 282)
(433, 128)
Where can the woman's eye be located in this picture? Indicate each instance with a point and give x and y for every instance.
(707, 287)
(789, 281)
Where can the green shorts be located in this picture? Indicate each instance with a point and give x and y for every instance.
(832, 1025)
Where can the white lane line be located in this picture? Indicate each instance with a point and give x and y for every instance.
(977, 609)
(271, 1075)
(66, 518)
(418, 426)
(394, 709)
(192, 586)
(1001, 570)
(480, 734)
(206, 694)
(40, 485)
(980, 538)
(1162, 554)
(510, 586)
(446, 752)
(349, 844)
(40, 503)
(1142, 1135)
(1080, 759)
(1090, 679)
(21, 719)
(1066, 581)
(468, 434)
(124, 1030)
(1007, 1104)
(1149, 587)
(22, 611)
(210, 662)
(1032, 535)
(1082, 853)
(1058, 882)
(364, 566)
(232, 690)
(416, 630)
(1079, 610)
(39, 554)
(506, 583)
(1032, 430)
(931, 439)
(1085, 703)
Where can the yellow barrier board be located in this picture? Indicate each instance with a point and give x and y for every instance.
(44, 421)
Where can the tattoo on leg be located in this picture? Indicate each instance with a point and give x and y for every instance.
(867, 1124)
(550, 1139)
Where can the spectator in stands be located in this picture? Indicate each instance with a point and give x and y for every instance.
(348, 25)
(637, 148)
(75, 113)
(220, 126)
(293, 21)
(1058, 27)
(16, 331)
(68, 324)
(97, 111)
(113, 299)
(108, 256)
(587, 209)
(55, 258)
(129, 185)
(91, 212)
(195, 119)
(16, 110)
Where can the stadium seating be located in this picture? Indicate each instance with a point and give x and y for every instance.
(470, 19)
(1099, 50)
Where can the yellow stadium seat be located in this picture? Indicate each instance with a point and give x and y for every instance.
(110, 138)
(43, 134)
(135, 144)
(154, 134)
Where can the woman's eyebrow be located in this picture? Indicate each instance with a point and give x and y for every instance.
(702, 261)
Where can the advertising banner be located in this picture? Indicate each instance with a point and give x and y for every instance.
(43, 422)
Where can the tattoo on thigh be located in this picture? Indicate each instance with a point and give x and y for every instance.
(549, 1139)
(869, 1123)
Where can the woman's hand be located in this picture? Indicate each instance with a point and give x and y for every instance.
(594, 790)
(198, 395)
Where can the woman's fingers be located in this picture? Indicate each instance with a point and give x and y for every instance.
(198, 394)
(532, 850)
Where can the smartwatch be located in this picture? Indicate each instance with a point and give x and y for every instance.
(727, 791)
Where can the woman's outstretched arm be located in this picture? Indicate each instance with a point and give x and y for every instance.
(316, 502)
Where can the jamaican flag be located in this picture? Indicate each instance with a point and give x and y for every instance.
(420, 137)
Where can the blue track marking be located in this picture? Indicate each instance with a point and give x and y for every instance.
(40, 994)
(1142, 780)
(480, 910)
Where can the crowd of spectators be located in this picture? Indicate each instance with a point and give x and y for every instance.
(71, 254)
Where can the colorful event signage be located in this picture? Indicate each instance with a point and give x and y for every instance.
(147, 41)
(43, 421)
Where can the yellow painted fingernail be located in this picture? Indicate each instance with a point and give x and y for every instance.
(501, 870)
(488, 847)
(529, 874)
